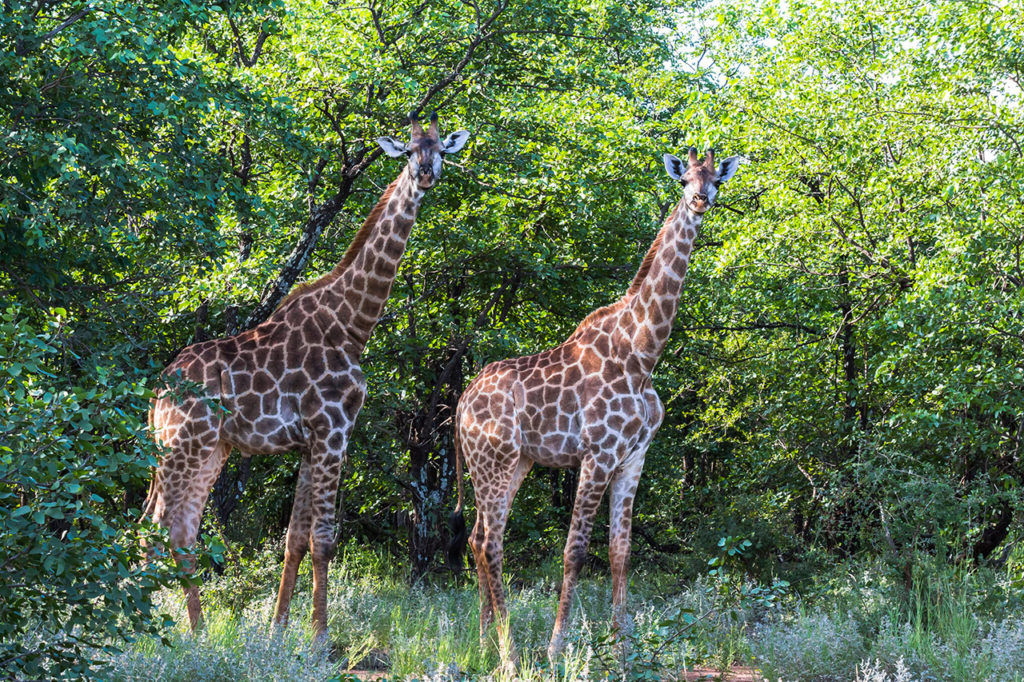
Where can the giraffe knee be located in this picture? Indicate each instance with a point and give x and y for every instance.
(323, 549)
(296, 542)
(294, 554)
(491, 552)
(575, 555)
(181, 533)
(476, 539)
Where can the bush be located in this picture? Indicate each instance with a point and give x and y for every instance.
(228, 649)
(72, 571)
(814, 646)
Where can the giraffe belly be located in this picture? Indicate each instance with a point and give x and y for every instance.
(266, 426)
(556, 449)
(551, 430)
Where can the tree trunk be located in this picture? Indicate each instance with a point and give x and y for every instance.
(432, 461)
(431, 473)
(994, 534)
(228, 488)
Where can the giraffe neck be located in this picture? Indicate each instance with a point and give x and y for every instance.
(359, 294)
(650, 306)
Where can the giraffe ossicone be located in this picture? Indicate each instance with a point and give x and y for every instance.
(291, 384)
(587, 403)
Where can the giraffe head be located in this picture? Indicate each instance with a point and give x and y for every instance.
(699, 177)
(425, 149)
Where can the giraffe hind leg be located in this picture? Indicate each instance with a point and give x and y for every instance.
(489, 561)
(325, 463)
(297, 541)
(182, 495)
(476, 544)
(493, 514)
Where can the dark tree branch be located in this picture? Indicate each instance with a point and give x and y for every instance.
(314, 181)
(25, 45)
(240, 50)
(656, 545)
(753, 327)
(482, 36)
(297, 259)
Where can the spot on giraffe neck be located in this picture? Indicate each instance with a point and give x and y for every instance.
(378, 213)
(652, 253)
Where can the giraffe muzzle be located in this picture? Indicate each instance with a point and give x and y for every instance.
(425, 177)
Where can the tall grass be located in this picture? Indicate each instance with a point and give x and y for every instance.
(948, 626)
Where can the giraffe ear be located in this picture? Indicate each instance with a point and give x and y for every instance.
(727, 168)
(455, 142)
(392, 147)
(674, 166)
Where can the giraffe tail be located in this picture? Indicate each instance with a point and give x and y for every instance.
(457, 522)
(151, 497)
(149, 505)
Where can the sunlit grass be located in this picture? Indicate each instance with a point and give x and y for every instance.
(858, 628)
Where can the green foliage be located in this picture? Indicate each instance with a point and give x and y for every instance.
(107, 179)
(951, 624)
(72, 579)
(228, 649)
(849, 371)
(845, 378)
(957, 625)
(379, 622)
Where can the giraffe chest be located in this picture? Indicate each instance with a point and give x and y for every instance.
(280, 408)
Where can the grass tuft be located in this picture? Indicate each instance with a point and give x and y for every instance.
(864, 627)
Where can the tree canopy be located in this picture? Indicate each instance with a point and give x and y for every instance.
(845, 377)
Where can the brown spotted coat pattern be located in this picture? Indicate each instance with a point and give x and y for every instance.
(587, 403)
(291, 384)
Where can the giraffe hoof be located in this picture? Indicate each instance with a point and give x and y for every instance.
(508, 668)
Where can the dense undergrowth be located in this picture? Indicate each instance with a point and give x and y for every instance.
(861, 623)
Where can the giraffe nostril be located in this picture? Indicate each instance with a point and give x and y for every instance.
(701, 197)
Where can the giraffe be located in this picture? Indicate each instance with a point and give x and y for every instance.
(290, 384)
(588, 403)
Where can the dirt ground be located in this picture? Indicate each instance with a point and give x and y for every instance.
(736, 674)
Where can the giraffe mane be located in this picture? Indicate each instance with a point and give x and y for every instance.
(593, 317)
(648, 261)
(358, 241)
(634, 286)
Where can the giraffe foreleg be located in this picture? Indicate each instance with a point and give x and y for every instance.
(620, 512)
(593, 481)
(325, 472)
(297, 541)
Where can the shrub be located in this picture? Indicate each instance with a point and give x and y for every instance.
(229, 649)
(874, 671)
(814, 646)
(72, 575)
